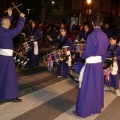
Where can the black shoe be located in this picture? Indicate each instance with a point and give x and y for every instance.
(15, 100)
(74, 113)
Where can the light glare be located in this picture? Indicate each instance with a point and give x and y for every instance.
(88, 1)
(53, 2)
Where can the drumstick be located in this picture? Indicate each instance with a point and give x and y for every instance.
(20, 55)
(14, 7)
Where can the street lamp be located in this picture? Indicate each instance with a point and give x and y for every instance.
(88, 1)
(88, 11)
(53, 2)
(28, 10)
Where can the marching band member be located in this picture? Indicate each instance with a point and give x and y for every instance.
(66, 43)
(34, 37)
(90, 98)
(82, 38)
(113, 77)
(85, 32)
(8, 78)
(80, 32)
(107, 30)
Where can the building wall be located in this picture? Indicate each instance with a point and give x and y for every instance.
(62, 11)
(105, 8)
(62, 8)
(65, 8)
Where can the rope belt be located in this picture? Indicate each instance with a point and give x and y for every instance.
(89, 60)
(6, 52)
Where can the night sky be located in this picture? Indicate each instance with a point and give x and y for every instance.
(33, 5)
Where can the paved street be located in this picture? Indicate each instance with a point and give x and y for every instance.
(46, 97)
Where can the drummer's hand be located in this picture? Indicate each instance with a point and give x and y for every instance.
(59, 50)
(32, 37)
(26, 39)
(115, 59)
(22, 15)
(9, 11)
(65, 49)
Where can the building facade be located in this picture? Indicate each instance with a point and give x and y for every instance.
(64, 9)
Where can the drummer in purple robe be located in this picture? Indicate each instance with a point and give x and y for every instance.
(8, 78)
(64, 43)
(107, 30)
(90, 98)
(112, 73)
(34, 37)
(85, 33)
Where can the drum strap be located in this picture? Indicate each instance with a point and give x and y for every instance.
(89, 60)
(61, 45)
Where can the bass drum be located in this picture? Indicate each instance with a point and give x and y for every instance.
(76, 68)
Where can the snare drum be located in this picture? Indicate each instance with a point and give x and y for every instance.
(25, 47)
(79, 47)
(56, 56)
(20, 60)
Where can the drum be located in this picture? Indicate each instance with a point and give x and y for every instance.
(78, 47)
(76, 68)
(73, 75)
(56, 56)
(25, 47)
(20, 60)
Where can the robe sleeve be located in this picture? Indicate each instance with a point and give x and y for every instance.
(10, 17)
(15, 31)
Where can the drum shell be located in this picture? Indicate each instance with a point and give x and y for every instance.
(25, 47)
(56, 56)
(20, 60)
